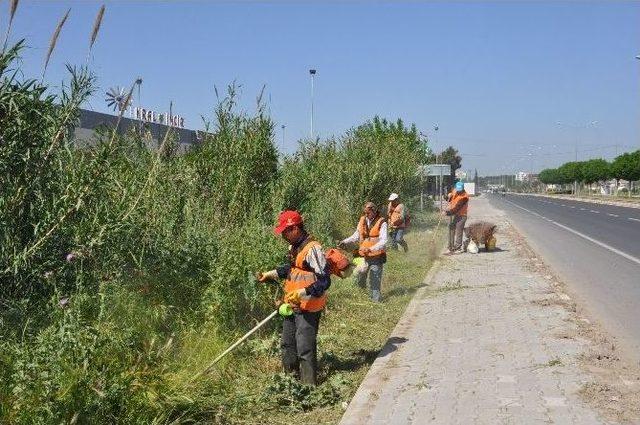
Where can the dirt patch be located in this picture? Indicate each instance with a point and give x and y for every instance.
(613, 403)
(450, 286)
(614, 386)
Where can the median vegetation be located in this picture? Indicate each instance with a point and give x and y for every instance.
(624, 167)
(125, 270)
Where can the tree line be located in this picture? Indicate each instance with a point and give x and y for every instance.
(623, 167)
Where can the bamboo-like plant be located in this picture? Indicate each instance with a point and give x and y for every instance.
(96, 28)
(13, 7)
(54, 40)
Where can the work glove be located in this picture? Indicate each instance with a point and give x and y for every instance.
(341, 244)
(296, 296)
(270, 275)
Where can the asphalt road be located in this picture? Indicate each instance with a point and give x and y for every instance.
(595, 249)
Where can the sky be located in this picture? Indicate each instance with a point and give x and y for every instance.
(514, 86)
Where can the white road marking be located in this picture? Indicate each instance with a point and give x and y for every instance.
(582, 235)
(571, 206)
(562, 205)
(596, 212)
(613, 215)
(583, 209)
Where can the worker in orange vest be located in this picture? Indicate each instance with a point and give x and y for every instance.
(371, 234)
(450, 193)
(457, 210)
(397, 221)
(306, 280)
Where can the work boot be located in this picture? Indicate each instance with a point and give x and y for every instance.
(376, 295)
(307, 373)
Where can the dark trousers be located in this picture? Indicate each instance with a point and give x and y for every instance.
(456, 228)
(299, 352)
(397, 238)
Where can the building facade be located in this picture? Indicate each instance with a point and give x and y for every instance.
(154, 133)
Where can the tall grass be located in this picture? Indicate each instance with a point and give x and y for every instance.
(54, 40)
(123, 268)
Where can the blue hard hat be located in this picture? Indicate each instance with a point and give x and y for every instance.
(459, 186)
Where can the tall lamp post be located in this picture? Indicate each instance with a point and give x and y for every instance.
(139, 83)
(437, 188)
(283, 128)
(312, 73)
(439, 183)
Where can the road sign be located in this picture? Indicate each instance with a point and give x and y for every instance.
(437, 169)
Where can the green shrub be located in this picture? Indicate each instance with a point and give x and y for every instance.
(125, 269)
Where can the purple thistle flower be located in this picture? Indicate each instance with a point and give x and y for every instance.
(63, 302)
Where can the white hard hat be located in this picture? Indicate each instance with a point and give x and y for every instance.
(393, 196)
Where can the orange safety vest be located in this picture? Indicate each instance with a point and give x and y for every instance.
(300, 276)
(451, 194)
(456, 199)
(370, 236)
(394, 215)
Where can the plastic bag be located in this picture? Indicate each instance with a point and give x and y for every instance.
(473, 247)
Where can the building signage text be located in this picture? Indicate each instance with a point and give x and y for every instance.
(165, 118)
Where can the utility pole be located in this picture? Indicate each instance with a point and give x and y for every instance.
(312, 73)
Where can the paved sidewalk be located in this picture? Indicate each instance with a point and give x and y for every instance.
(484, 343)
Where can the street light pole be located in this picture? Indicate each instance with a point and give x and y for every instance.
(283, 127)
(312, 73)
(139, 83)
(439, 177)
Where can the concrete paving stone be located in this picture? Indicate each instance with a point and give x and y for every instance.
(482, 355)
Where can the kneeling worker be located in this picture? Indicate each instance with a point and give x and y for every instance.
(306, 281)
(372, 235)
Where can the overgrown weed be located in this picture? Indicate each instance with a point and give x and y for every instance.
(126, 270)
